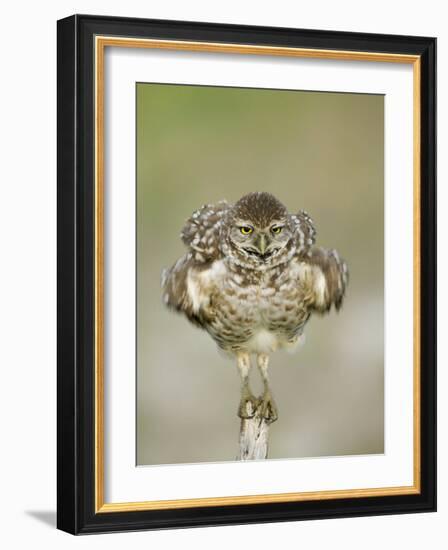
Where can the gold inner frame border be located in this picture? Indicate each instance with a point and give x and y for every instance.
(101, 42)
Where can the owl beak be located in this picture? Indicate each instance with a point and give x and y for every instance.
(261, 244)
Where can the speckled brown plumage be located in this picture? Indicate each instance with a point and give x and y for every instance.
(252, 276)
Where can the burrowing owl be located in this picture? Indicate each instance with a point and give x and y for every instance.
(251, 278)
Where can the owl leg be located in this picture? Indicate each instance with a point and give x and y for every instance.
(268, 406)
(248, 403)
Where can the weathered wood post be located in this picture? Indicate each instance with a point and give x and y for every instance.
(254, 436)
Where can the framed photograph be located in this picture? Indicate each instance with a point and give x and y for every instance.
(246, 274)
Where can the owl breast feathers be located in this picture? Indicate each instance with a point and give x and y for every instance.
(252, 275)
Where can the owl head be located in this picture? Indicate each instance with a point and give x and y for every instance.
(258, 229)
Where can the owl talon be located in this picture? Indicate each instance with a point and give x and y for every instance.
(268, 408)
(248, 406)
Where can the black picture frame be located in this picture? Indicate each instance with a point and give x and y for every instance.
(76, 286)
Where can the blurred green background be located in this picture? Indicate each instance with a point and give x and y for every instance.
(322, 152)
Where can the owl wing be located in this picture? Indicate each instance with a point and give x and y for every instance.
(201, 232)
(304, 232)
(325, 277)
(177, 289)
(186, 284)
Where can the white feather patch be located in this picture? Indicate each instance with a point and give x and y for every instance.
(199, 284)
(320, 286)
(262, 341)
(316, 277)
(194, 292)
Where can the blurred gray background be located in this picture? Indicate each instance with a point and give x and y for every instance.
(318, 151)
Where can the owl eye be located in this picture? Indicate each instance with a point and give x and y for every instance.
(246, 230)
(276, 229)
